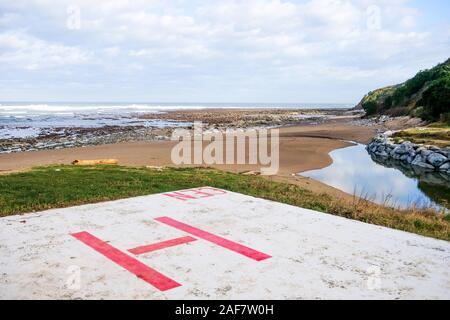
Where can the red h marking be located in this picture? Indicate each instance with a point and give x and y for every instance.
(136, 267)
(161, 245)
(179, 196)
(230, 245)
(203, 192)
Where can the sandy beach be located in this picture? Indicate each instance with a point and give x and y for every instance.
(302, 147)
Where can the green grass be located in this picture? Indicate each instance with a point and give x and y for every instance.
(433, 135)
(62, 186)
(442, 125)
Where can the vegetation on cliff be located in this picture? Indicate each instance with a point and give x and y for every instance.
(426, 95)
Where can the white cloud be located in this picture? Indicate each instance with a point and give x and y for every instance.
(20, 50)
(275, 39)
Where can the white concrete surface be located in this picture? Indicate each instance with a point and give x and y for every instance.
(314, 255)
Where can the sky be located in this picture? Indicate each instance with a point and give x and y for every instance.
(267, 51)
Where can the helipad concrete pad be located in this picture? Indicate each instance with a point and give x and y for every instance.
(208, 243)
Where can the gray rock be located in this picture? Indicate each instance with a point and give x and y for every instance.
(425, 152)
(403, 157)
(402, 149)
(420, 149)
(396, 156)
(425, 166)
(417, 159)
(445, 167)
(436, 159)
(373, 148)
(382, 154)
(434, 148)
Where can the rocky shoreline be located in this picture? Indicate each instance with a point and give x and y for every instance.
(426, 157)
(213, 119)
(60, 138)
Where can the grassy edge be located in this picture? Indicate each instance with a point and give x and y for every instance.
(32, 191)
(438, 136)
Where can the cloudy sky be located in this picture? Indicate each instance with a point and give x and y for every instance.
(215, 51)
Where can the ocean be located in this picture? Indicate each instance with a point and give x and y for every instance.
(29, 119)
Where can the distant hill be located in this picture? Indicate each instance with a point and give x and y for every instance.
(426, 95)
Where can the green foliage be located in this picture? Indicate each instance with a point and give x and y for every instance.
(388, 103)
(413, 85)
(436, 99)
(399, 95)
(370, 107)
(426, 95)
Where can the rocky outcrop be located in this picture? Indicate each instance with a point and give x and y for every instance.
(428, 158)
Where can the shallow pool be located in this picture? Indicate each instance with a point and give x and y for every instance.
(354, 171)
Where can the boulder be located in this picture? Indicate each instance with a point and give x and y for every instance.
(373, 147)
(381, 148)
(436, 159)
(425, 166)
(402, 149)
(445, 167)
(404, 157)
(418, 159)
(396, 156)
(420, 149)
(425, 152)
(382, 154)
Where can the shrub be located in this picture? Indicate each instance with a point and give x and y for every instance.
(370, 107)
(436, 99)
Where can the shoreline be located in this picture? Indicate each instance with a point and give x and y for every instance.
(57, 132)
(302, 147)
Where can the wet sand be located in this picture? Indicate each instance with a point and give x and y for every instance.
(302, 148)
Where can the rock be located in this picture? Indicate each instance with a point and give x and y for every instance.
(417, 159)
(381, 148)
(396, 156)
(374, 147)
(399, 150)
(404, 157)
(405, 147)
(425, 152)
(445, 167)
(425, 166)
(434, 148)
(382, 154)
(436, 159)
(420, 149)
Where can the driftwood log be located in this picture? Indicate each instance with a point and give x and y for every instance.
(94, 162)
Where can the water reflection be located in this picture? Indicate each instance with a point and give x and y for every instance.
(355, 172)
